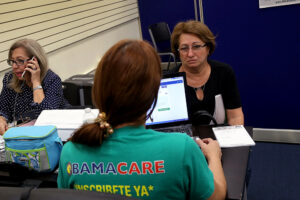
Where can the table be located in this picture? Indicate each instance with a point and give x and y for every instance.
(234, 161)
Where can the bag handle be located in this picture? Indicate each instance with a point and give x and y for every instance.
(203, 113)
(58, 140)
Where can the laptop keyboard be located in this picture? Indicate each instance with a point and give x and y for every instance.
(181, 129)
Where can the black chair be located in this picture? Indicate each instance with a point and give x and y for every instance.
(77, 95)
(161, 39)
(30, 193)
(71, 94)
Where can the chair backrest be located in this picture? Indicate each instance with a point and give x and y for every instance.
(30, 193)
(70, 91)
(77, 95)
(160, 36)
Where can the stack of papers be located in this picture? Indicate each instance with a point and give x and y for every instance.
(66, 121)
(233, 136)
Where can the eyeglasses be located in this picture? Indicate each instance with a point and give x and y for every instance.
(195, 48)
(18, 62)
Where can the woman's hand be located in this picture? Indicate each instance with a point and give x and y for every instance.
(210, 148)
(3, 125)
(212, 151)
(35, 71)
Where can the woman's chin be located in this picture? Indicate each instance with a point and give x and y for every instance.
(19, 76)
(192, 65)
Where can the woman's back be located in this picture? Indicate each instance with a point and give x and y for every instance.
(141, 163)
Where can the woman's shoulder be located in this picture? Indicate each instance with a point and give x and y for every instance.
(70, 148)
(51, 73)
(180, 144)
(7, 77)
(218, 64)
(176, 138)
(51, 76)
(220, 67)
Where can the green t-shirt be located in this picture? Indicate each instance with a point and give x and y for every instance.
(140, 163)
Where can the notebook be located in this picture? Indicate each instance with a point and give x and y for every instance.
(171, 113)
(66, 120)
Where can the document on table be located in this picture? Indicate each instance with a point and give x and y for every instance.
(65, 119)
(233, 136)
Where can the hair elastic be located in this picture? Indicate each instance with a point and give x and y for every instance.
(101, 119)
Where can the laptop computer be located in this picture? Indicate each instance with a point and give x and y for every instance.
(171, 112)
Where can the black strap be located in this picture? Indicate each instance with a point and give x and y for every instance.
(34, 183)
(29, 185)
(203, 113)
(26, 193)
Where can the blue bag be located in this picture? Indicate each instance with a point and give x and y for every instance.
(36, 147)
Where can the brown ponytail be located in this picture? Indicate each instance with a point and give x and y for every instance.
(126, 84)
(89, 134)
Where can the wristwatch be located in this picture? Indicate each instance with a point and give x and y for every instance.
(37, 87)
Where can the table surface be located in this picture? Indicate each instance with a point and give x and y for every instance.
(234, 161)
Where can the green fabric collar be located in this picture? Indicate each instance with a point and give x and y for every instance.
(128, 130)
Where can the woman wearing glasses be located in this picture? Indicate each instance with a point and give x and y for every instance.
(193, 42)
(30, 87)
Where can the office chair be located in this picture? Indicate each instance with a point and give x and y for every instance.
(161, 39)
(31, 193)
(79, 96)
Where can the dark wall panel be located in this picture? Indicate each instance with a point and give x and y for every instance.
(262, 46)
(153, 11)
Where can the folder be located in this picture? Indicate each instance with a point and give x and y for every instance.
(66, 121)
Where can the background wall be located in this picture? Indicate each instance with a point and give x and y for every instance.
(155, 11)
(75, 34)
(83, 56)
(262, 46)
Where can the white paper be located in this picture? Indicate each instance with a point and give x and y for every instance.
(274, 3)
(233, 136)
(66, 119)
(65, 134)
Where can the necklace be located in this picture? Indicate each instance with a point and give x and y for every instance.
(200, 92)
(201, 87)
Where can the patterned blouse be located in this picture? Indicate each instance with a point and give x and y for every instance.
(20, 106)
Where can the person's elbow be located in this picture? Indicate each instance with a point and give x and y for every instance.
(219, 192)
(235, 116)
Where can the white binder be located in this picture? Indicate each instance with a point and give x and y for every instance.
(219, 113)
(66, 121)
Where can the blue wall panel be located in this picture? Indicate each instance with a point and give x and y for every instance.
(172, 12)
(262, 46)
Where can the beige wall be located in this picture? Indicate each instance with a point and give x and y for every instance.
(83, 56)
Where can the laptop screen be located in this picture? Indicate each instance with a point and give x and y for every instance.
(171, 103)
